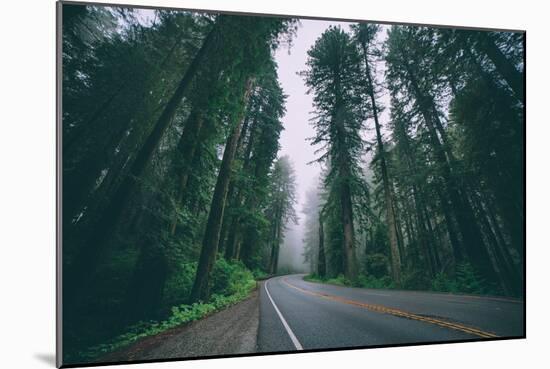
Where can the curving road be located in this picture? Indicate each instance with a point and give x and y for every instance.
(288, 314)
(296, 315)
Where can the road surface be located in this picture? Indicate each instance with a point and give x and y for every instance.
(287, 314)
(296, 314)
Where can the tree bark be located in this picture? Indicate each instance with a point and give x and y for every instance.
(83, 181)
(350, 261)
(200, 290)
(233, 224)
(321, 261)
(390, 214)
(472, 240)
(86, 261)
(275, 238)
(514, 78)
(187, 147)
(509, 276)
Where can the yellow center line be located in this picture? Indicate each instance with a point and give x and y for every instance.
(396, 312)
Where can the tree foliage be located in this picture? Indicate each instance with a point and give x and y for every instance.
(174, 189)
(170, 129)
(445, 171)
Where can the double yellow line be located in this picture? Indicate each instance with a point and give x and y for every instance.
(396, 312)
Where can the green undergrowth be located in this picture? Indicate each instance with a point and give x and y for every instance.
(363, 281)
(465, 280)
(232, 283)
(259, 274)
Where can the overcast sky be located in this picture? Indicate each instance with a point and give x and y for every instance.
(299, 105)
(297, 129)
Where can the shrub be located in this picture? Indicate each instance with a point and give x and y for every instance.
(221, 276)
(232, 281)
(259, 274)
(415, 280)
(314, 277)
(340, 280)
(466, 280)
(377, 265)
(179, 285)
(369, 281)
(229, 278)
(442, 283)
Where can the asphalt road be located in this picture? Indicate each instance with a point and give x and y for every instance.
(287, 314)
(295, 315)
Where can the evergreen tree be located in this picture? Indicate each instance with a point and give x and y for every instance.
(333, 69)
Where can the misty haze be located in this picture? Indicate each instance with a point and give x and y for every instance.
(239, 184)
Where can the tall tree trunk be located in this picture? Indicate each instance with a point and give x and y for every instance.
(471, 236)
(388, 199)
(250, 235)
(145, 289)
(187, 147)
(491, 213)
(408, 155)
(76, 134)
(423, 239)
(277, 217)
(273, 260)
(200, 290)
(232, 239)
(350, 261)
(456, 246)
(238, 246)
(224, 235)
(233, 223)
(432, 245)
(509, 275)
(510, 202)
(280, 226)
(86, 261)
(86, 127)
(321, 260)
(514, 78)
(83, 181)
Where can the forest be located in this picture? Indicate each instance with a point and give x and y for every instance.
(176, 197)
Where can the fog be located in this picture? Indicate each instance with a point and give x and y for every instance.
(297, 130)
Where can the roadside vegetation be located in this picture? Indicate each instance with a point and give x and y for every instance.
(176, 196)
(465, 281)
(428, 196)
(232, 283)
(173, 188)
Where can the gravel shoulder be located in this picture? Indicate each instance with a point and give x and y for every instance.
(228, 332)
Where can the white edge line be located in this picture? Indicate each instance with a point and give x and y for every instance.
(293, 338)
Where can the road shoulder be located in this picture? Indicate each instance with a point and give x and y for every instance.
(228, 332)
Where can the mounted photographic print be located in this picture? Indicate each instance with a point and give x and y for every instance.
(237, 184)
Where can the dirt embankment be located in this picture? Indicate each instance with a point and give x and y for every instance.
(228, 332)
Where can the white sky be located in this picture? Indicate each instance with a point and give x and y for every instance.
(299, 105)
(297, 128)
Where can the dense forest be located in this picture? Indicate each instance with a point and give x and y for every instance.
(439, 204)
(172, 189)
(176, 197)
